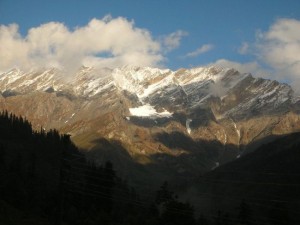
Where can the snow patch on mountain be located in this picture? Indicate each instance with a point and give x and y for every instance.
(141, 81)
(188, 128)
(148, 111)
(168, 80)
(238, 132)
(11, 76)
(225, 137)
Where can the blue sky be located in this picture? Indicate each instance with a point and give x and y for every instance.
(204, 32)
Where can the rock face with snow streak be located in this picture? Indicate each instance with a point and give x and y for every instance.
(186, 121)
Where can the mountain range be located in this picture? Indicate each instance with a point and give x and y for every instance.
(159, 123)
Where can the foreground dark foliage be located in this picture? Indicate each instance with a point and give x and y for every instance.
(44, 179)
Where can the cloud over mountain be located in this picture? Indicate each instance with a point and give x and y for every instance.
(279, 47)
(276, 53)
(172, 40)
(107, 42)
(114, 42)
(203, 49)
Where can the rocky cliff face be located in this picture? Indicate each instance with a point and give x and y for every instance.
(173, 122)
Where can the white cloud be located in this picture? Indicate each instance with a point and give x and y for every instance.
(244, 49)
(172, 40)
(201, 50)
(279, 48)
(249, 67)
(106, 43)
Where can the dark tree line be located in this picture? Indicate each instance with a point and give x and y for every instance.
(42, 173)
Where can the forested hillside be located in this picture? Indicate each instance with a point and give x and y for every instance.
(44, 179)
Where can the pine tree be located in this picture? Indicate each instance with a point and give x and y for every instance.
(164, 194)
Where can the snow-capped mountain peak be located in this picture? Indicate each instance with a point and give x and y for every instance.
(154, 111)
(189, 88)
